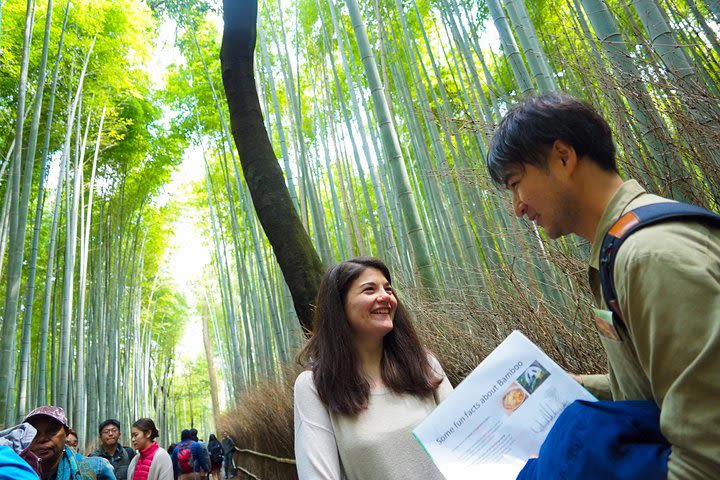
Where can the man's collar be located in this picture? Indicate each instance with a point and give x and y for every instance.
(628, 192)
(117, 449)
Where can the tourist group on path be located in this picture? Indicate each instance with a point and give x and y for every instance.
(44, 447)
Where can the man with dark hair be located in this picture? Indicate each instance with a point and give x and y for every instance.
(111, 450)
(228, 454)
(203, 445)
(555, 154)
(528, 131)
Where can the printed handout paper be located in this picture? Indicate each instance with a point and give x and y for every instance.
(497, 418)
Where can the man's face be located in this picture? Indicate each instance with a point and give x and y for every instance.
(49, 441)
(542, 195)
(109, 436)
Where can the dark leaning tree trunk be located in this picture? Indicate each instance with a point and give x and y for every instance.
(295, 253)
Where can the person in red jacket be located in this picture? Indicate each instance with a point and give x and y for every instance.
(153, 462)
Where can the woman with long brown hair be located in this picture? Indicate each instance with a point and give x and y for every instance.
(369, 383)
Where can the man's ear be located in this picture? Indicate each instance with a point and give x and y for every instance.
(565, 154)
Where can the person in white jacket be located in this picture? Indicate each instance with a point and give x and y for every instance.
(370, 382)
(153, 462)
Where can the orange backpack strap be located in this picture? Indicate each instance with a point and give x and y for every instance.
(630, 223)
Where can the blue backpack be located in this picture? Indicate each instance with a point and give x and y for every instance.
(630, 223)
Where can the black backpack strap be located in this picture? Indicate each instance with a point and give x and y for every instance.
(124, 455)
(129, 452)
(631, 222)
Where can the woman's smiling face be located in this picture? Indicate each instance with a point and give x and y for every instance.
(370, 305)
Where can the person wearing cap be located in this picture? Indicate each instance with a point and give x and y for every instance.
(47, 454)
(111, 449)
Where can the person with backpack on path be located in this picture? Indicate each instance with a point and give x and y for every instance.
(216, 456)
(658, 305)
(188, 459)
(203, 445)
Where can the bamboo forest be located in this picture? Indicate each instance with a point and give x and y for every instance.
(176, 176)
